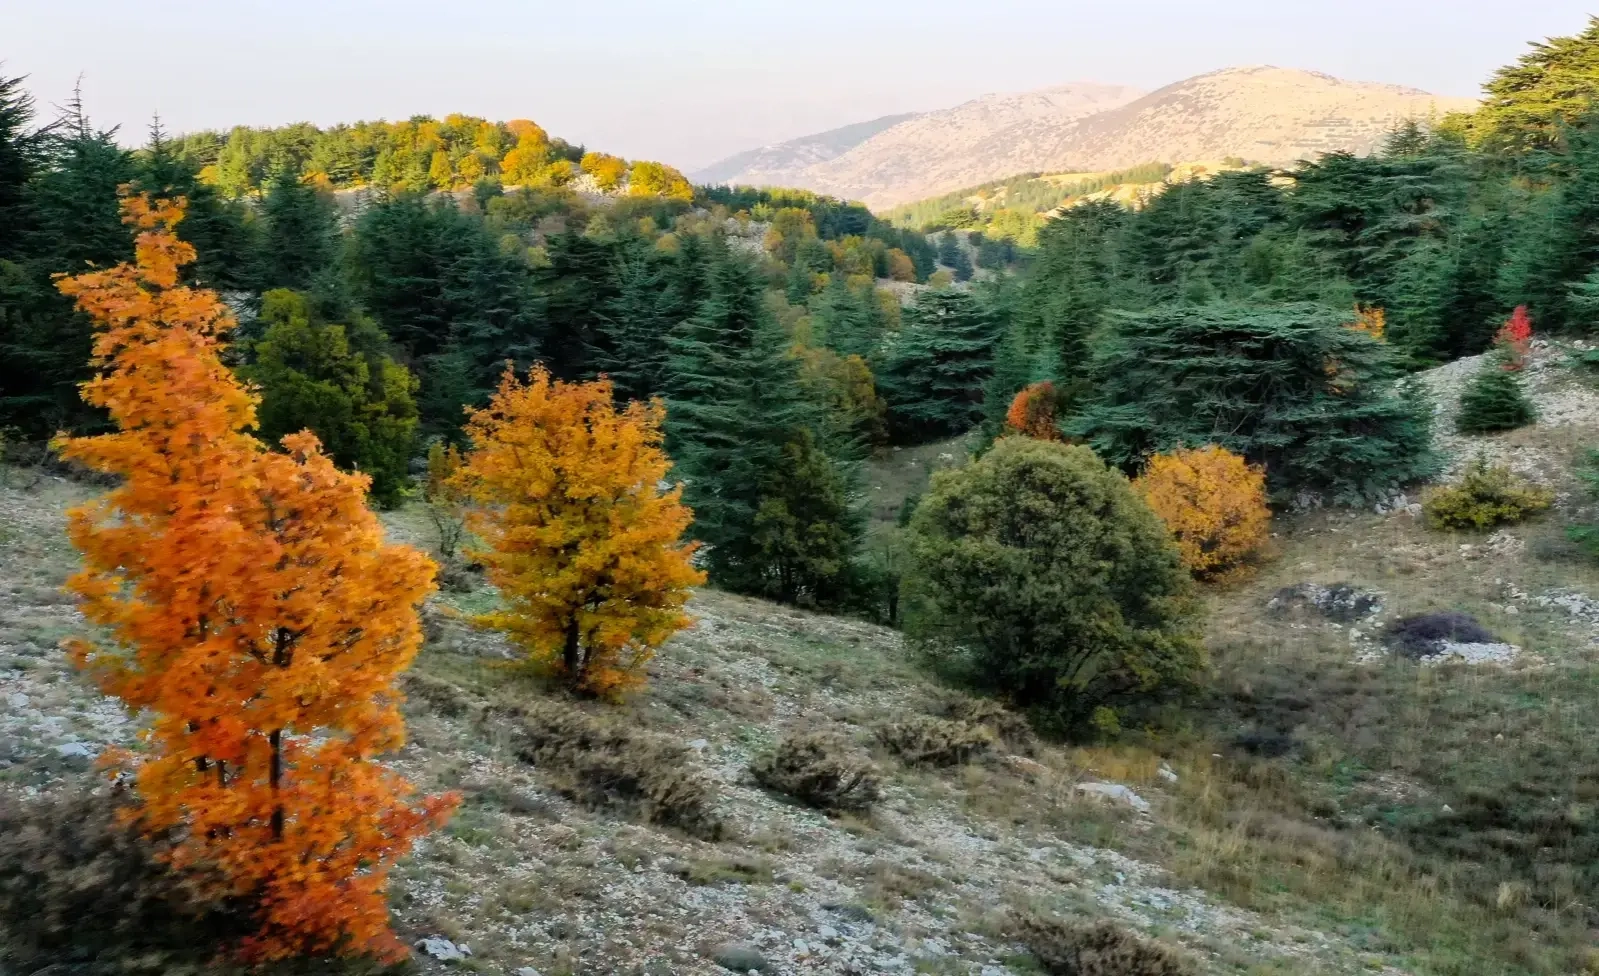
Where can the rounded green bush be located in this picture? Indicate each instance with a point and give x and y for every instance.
(1037, 572)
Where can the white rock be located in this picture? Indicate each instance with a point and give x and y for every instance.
(443, 949)
(1118, 792)
(1166, 773)
(70, 750)
(17, 700)
(699, 745)
(526, 971)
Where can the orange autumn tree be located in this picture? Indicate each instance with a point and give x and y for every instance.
(1032, 413)
(1214, 503)
(252, 610)
(579, 537)
(1514, 339)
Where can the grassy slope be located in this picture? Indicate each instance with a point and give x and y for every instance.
(1336, 856)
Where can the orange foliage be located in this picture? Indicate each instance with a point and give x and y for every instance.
(252, 610)
(1032, 413)
(1514, 338)
(1370, 319)
(579, 537)
(1214, 503)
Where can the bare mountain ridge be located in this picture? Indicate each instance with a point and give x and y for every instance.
(1265, 114)
(766, 165)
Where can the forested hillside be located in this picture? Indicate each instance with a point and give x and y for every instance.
(1037, 587)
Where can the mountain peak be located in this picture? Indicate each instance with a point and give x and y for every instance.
(1262, 112)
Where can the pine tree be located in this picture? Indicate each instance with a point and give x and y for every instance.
(934, 374)
(300, 240)
(635, 322)
(733, 403)
(805, 533)
(1494, 400)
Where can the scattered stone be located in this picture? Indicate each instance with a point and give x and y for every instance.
(1030, 769)
(74, 750)
(1442, 633)
(699, 745)
(1166, 773)
(527, 971)
(741, 957)
(1340, 602)
(1118, 792)
(443, 949)
(1490, 653)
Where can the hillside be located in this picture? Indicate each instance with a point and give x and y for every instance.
(895, 153)
(1335, 809)
(1264, 114)
(772, 165)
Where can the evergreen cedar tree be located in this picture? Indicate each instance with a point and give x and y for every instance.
(1494, 399)
(1032, 412)
(578, 534)
(1295, 389)
(1039, 574)
(253, 611)
(1214, 503)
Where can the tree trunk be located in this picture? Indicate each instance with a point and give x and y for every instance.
(276, 777)
(571, 655)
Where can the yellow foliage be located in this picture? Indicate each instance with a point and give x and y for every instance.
(606, 169)
(578, 535)
(1370, 319)
(1214, 503)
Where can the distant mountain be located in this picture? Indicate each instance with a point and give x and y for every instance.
(768, 165)
(1264, 114)
(897, 142)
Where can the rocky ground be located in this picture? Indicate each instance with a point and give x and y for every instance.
(528, 878)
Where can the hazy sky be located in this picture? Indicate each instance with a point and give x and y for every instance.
(692, 81)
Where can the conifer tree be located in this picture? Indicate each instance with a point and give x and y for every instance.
(934, 374)
(1493, 401)
(300, 239)
(252, 611)
(577, 534)
(734, 404)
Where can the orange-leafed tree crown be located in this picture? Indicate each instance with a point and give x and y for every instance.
(1214, 503)
(252, 609)
(578, 533)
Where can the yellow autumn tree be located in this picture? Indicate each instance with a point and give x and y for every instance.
(579, 535)
(606, 169)
(1214, 503)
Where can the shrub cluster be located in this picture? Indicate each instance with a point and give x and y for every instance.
(1424, 635)
(1011, 729)
(924, 740)
(1100, 948)
(820, 770)
(605, 763)
(78, 885)
(1038, 573)
(1484, 497)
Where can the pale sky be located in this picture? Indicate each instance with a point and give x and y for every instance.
(692, 81)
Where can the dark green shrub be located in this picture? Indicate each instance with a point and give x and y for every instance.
(1039, 574)
(1484, 497)
(820, 770)
(1494, 401)
(1424, 635)
(924, 740)
(1100, 948)
(79, 886)
(606, 763)
(1288, 386)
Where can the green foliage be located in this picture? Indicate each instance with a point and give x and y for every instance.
(337, 382)
(1493, 401)
(1485, 496)
(300, 235)
(1529, 104)
(1289, 386)
(934, 373)
(821, 770)
(1038, 573)
(805, 532)
(768, 497)
(1025, 196)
